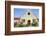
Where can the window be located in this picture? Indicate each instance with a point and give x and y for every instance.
(28, 13)
(23, 20)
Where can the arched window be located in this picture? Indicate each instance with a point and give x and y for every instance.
(23, 20)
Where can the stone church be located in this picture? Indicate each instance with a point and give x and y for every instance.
(26, 18)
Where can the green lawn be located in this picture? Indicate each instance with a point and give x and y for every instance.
(27, 25)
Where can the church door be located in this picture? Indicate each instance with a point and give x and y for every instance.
(28, 22)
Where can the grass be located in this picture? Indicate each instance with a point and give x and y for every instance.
(22, 25)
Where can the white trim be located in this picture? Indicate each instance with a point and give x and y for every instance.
(28, 7)
(26, 28)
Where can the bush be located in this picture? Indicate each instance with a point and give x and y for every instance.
(34, 24)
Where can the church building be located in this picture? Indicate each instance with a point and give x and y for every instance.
(27, 18)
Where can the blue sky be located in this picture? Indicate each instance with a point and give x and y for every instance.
(19, 11)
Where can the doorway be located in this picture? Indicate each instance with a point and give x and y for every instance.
(28, 22)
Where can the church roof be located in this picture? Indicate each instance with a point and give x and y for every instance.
(33, 15)
(16, 18)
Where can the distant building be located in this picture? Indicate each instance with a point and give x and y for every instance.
(16, 20)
